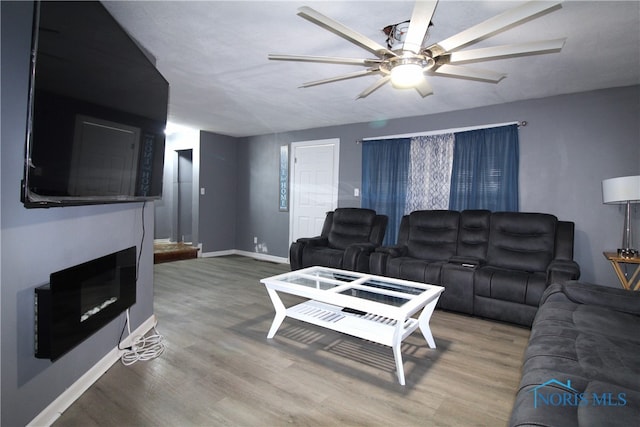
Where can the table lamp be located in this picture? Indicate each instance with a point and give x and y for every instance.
(623, 190)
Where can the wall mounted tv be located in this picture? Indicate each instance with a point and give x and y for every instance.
(97, 111)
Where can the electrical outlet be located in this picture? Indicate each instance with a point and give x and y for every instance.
(255, 240)
(356, 192)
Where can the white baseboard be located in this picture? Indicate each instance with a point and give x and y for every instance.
(255, 255)
(52, 412)
(217, 253)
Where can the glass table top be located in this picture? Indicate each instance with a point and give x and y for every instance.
(375, 296)
(384, 290)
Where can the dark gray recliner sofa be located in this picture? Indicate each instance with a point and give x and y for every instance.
(582, 363)
(348, 237)
(495, 265)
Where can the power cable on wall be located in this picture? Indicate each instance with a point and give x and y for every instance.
(142, 348)
(146, 347)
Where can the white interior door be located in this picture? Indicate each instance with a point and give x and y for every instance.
(314, 185)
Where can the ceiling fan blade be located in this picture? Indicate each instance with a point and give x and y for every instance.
(517, 49)
(325, 59)
(377, 85)
(419, 24)
(424, 88)
(343, 31)
(341, 77)
(469, 73)
(493, 25)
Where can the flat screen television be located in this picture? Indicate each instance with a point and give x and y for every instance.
(97, 111)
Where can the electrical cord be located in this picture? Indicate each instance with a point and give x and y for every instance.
(147, 347)
(144, 204)
(143, 348)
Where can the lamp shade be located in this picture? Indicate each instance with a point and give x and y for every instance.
(621, 190)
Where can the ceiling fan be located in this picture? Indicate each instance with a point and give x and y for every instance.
(407, 67)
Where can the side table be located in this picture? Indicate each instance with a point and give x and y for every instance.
(633, 283)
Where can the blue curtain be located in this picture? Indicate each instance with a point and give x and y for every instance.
(485, 169)
(385, 175)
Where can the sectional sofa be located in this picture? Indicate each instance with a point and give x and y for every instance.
(495, 265)
(582, 363)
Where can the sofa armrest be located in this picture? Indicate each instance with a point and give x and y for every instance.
(378, 263)
(362, 247)
(297, 248)
(356, 256)
(617, 299)
(393, 251)
(379, 259)
(561, 270)
(295, 255)
(314, 241)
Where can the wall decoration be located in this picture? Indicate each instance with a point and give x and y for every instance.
(283, 192)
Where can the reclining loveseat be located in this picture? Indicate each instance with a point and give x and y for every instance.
(495, 265)
(348, 237)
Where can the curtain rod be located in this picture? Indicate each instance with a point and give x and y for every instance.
(521, 123)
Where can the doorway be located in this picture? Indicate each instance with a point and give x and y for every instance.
(183, 197)
(314, 185)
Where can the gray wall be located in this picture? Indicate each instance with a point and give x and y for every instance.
(571, 143)
(257, 203)
(37, 242)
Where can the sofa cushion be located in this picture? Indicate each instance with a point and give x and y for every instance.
(522, 241)
(324, 256)
(350, 225)
(603, 343)
(510, 285)
(416, 270)
(598, 404)
(433, 235)
(591, 348)
(473, 236)
(617, 299)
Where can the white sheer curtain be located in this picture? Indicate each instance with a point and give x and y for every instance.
(430, 172)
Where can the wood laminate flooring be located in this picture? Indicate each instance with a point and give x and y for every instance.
(219, 369)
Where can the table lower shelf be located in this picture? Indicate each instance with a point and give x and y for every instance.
(368, 326)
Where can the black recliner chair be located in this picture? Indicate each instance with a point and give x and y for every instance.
(349, 236)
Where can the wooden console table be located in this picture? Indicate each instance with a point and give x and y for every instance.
(633, 283)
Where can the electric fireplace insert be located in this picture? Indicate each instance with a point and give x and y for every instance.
(80, 300)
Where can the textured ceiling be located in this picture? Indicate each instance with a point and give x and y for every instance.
(214, 55)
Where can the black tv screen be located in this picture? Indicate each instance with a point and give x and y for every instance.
(97, 111)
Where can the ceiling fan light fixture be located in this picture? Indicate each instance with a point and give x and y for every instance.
(407, 75)
(406, 60)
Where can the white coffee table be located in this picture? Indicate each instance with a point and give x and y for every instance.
(370, 307)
